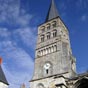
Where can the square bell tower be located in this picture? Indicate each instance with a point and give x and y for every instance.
(53, 55)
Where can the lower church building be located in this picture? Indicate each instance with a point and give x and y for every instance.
(55, 65)
(3, 81)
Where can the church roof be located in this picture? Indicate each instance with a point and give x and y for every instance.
(2, 76)
(52, 13)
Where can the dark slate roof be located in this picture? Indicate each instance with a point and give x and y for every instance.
(2, 76)
(52, 13)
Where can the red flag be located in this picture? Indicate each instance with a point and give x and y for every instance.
(0, 60)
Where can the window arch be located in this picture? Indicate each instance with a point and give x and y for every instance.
(41, 52)
(49, 50)
(48, 26)
(55, 33)
(48, 35)
(43, 29)
(42, 38)
(54, 24)
(40, 85)
(52, 49)
(55, 47)
(46, 50)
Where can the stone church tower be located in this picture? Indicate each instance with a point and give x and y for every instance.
(54, 61)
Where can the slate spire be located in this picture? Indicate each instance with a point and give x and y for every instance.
(52, 13)
(2, 75)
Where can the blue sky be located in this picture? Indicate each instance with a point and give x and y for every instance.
(18, 32)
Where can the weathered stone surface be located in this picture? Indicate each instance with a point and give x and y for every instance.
(55, 65)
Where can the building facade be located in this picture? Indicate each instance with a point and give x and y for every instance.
(55, 65)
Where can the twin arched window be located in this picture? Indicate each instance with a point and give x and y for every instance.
(42, 38)
(54, 24)
(48, 35)
(48, 26)
(54, 33)
(43, 29)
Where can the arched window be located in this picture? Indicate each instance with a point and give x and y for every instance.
(48, 26)
(46, 50)
(43, 29)
(42, 38)
(54, 24)
(49, 50)
(48, 35)
(55, 47)
(54, 33)
(41, 52)
(52, 49)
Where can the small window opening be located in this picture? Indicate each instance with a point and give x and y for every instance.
(54, 33)
(48, 35)
(42, 38)
(48, 28)
(47, 71)
(54, 24)
(43, 29)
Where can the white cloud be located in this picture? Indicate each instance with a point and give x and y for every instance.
(22, 59)
(9, 9)
(24, 19)
(21, 62)
(18, 64)
(16, 78)
(84, 17)
(27, 36)
(4, 32)
(12, 14)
